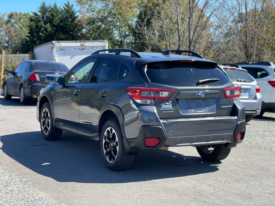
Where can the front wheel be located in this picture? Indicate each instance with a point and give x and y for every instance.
(112, 147)
(214, 153)
(6, 95)
(49, 132)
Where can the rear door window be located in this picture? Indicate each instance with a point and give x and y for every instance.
(185, 74)
(256, 72)
(103, 71)
(239, 76)
(49, 66)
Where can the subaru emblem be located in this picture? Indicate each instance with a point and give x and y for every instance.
(200, 94)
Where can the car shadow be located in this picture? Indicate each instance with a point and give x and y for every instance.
(15, 101)
(75, 158)
(264, 118)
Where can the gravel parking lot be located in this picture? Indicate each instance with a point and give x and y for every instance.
(70, 172)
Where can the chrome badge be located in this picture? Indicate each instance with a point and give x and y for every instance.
(200, 94)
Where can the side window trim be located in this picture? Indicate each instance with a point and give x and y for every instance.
(92, 71)
(117, 76)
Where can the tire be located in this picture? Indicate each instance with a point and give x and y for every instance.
(248, 118)
(112, 147)
(6, 95)
(23, 98)
(219, 152)
(49, 132)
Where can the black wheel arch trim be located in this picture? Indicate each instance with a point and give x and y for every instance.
(117, 111)
(45, 95)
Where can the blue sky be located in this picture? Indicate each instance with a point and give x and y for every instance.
(25, 6)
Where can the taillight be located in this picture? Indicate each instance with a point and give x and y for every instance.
(272, 83)
(35, 77)
(258, 88)
(145, 95)
(232, 92)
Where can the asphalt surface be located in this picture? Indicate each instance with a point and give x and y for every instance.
(70, 171)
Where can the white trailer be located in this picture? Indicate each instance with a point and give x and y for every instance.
(68, 52)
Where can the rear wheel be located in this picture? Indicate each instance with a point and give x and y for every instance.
(214, 153)
(23, 98)
(6, 95)
(249, 118)
(112, 147)
(49, 132)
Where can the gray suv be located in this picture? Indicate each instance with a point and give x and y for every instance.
(133, 101)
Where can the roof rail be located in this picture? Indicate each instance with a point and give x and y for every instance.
(179, 52)
(118, 52)
(256, 63)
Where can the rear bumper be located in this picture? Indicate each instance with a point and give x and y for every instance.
(184, 131)
(34, 90)
(253, 107)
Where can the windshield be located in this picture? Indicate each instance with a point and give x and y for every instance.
(49, 66)
(185, 74)
(239, 76)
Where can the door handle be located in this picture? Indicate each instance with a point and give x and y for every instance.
(76, 92)
(104, 93)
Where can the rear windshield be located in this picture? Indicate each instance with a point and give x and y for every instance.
(239, 76)
(185, 74)
(49, 66)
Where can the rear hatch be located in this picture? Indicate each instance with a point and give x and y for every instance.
(244, 80)
(194, 98)
(47, 71)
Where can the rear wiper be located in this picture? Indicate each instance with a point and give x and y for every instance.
(205, 81)
(242, 80)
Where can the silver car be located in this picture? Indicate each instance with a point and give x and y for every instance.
(250, 94)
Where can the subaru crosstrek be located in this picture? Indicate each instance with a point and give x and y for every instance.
(133, 101)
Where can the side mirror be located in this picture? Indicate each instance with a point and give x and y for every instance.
(11, 72)
(60, 80)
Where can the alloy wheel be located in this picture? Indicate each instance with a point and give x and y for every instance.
(45, 121)
(110, 145)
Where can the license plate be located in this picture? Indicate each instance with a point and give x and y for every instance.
(197, 106)
(245, 92)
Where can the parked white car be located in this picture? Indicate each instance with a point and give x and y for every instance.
(250, 94)
(264, 74)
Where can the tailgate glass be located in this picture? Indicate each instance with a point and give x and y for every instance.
(180, 73)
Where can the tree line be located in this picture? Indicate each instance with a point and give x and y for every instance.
(220, 30)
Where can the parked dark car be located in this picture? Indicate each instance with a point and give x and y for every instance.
(133, 101)
(30, 77)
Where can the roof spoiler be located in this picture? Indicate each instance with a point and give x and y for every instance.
(118, 52)
(179, 52)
